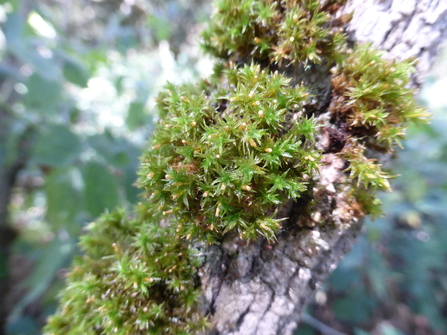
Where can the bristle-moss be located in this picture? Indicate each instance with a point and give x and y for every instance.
(229, 151)
(224, 162)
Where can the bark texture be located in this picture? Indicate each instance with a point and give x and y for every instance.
(260, 288)
(404, 28)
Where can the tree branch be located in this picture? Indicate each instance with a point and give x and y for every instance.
(261, 289)
(318, 325)
(404, 28)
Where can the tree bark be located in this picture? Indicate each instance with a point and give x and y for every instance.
(260, 288)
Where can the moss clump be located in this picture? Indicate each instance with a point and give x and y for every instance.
(287, 31)
(371, 99)
(136, 278)
(371, 107)
(225, 160)
(228, 152)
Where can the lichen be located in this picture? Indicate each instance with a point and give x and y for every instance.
(229, 151)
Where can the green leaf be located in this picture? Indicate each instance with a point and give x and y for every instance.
(118, 83)
(160, 26)
(63, 188)
(45, 67)
(101, 188)
(123, 155)
(43, 94)
(56, 146)
(14, 132)
(355, 308)
(14, 3)
(13, 29)
(130, 178)
(53, 256)
(378, 273)
(115, 151)
(75, 72)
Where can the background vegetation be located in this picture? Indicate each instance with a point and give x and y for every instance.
(76, 85)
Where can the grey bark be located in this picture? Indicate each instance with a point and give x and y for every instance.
(404, 28)
(260, 288)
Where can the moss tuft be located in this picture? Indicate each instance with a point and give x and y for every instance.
(287, 31)
(370, 97)
(224, 160)
(371, 105)
(135, 278)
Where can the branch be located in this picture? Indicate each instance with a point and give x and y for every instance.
(260, 288)
(404, 28)
(318, 325)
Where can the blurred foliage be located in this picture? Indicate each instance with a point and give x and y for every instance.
(76, 82)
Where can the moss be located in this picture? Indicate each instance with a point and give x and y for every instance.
(287, 31)
(220, 163)
(229, 151)
(372, 105)
(136, 278)
(371, 97)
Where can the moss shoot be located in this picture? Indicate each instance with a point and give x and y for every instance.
(228, 152)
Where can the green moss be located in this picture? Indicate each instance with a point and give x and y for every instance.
(267, 31)
(228, 152)
(372, 105)
(371, 97)
(136, 278)
(225, 160)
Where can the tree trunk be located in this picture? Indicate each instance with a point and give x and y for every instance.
(261, 288)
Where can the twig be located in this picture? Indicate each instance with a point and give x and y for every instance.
(318, 325)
